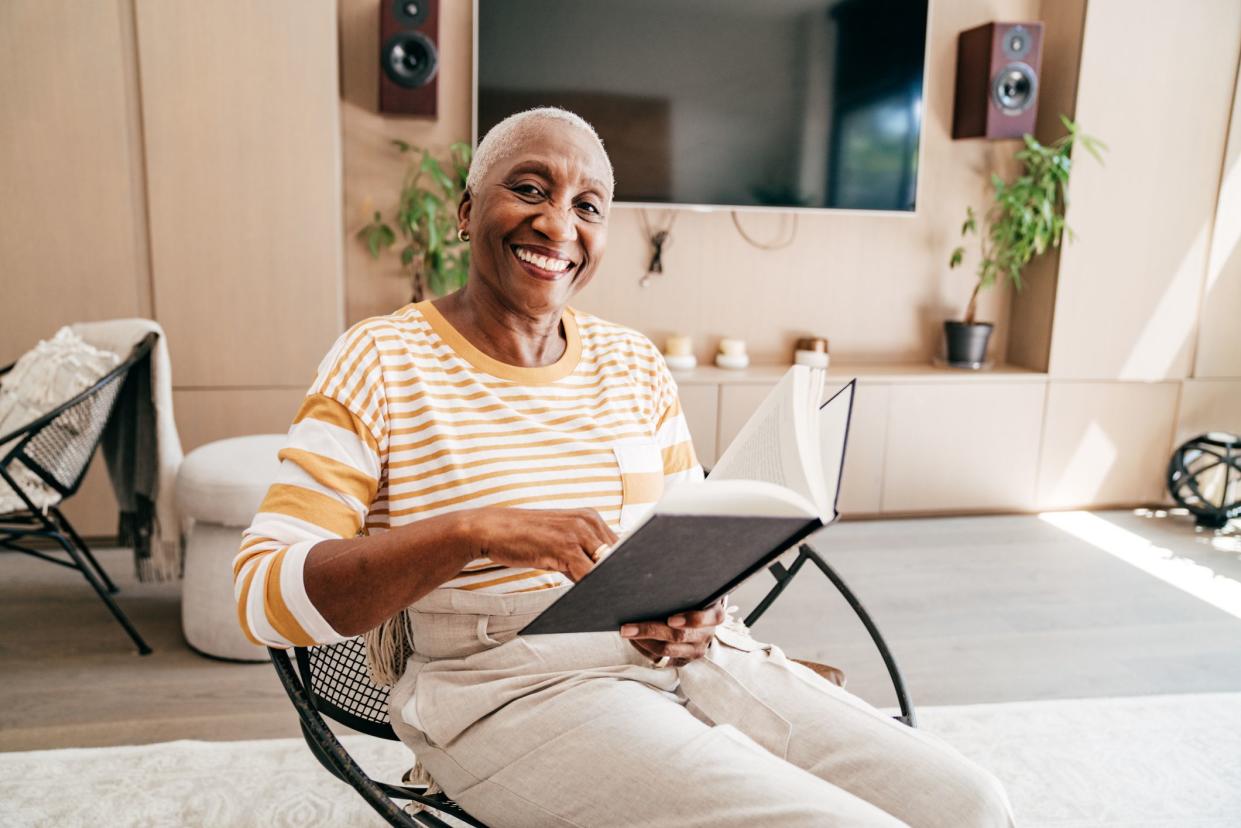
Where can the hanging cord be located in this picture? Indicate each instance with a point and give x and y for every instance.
(658, 240)
(764, 245)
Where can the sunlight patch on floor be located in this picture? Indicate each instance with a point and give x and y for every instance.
(1200, 581)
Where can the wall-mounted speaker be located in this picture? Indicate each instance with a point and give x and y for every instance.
(998, 68)
(408, 56)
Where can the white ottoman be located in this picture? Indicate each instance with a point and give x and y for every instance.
(220, 485)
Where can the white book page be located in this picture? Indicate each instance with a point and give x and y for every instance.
(833, 427)
(811, 441)
(770, 445)
(748, 498)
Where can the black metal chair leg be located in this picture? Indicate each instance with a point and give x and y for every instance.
(63, 522)
(894, 672)
(785, 575)
(93, 580)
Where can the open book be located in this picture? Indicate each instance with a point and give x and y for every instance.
(777, 482)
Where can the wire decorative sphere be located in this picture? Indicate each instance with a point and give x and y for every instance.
(1204, 476)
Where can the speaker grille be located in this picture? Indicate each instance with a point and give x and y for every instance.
(1014, 89)
(1016, 43)
(410, 59)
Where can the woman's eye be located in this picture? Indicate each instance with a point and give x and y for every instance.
(527, 189)
(588, 207)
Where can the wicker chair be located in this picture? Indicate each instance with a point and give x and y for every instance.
(332, 680)
(58, 448)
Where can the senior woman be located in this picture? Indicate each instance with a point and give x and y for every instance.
(458, 463)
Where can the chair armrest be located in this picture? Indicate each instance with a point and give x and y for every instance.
(825, 671)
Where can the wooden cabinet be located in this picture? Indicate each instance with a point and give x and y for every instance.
(1105, 443)
(962, 447)
(861, 485)
(701, 406)
(921, 439)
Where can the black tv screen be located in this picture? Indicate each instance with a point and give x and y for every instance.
(734, 103)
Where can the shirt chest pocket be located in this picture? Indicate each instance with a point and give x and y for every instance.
(641, 465)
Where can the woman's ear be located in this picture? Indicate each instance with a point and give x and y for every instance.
(463, 210)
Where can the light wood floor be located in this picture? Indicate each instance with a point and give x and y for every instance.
(976, 610)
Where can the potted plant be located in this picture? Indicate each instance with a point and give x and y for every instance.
(426, 216)
(1025, 218)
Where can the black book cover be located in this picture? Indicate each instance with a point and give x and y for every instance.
(670, 564)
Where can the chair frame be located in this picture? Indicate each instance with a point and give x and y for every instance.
(297, 675)
(50, 524)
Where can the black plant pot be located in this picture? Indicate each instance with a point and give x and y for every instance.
(966, 345)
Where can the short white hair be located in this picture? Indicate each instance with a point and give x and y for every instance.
(500, 139)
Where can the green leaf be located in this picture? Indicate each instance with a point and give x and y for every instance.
(433, 167)
(957, 256)
(431, 205)
(378, 236)
(422, 218)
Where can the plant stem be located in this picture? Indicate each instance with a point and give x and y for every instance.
(972, 307)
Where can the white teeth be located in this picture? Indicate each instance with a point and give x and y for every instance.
(552, 265)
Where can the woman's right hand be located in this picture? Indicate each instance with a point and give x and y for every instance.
(562, 540)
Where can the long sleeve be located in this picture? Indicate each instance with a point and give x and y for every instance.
(329, 475)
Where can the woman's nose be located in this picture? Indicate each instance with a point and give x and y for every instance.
(555, 222)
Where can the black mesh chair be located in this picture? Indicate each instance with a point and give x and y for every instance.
(58, 448)
(332, 680)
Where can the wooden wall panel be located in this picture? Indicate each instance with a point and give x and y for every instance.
(1029, 341)
(70, 237)
(1208, 405)
(1156, 83)
(1105, 443)
(241, 116)
(373, 167)
(1219, 329)
(961, 447)
(204, 415)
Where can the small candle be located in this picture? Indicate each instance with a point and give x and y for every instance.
(732, 347)
(678, 346)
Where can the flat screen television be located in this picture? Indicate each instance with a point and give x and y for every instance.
(722, 103)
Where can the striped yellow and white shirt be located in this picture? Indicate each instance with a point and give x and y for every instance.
(406, 420)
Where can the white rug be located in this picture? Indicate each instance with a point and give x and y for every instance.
(1167, 761)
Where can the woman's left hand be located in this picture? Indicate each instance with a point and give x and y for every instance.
(685, 637)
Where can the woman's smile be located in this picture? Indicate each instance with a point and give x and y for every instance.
(543, 262)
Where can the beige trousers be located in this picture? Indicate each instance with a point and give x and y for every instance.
(581, 730)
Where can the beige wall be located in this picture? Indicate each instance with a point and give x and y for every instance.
(1219, 334)
(71, 214)
(1129, 287)
(1144, 286)
(241, 125)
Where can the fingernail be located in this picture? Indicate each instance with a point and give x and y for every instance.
(629, 630)
(676, 621)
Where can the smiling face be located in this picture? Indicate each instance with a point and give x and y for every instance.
(538, 221)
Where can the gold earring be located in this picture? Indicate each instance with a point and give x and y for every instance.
(463, 235)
